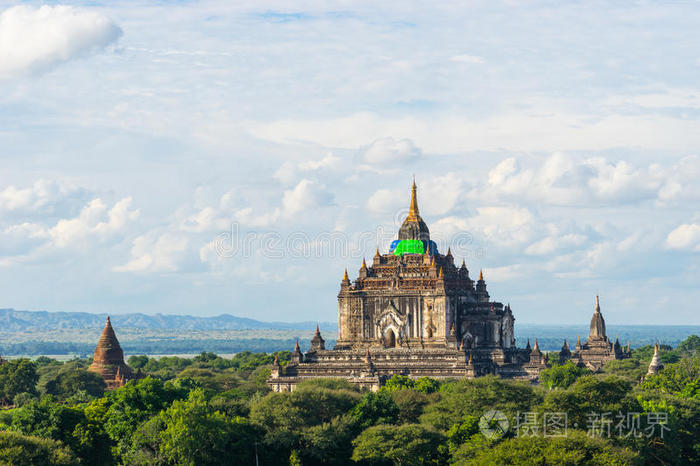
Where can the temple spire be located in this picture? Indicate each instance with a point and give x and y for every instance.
(481, 275)
(413, 213)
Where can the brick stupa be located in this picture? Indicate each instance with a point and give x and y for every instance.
(108, 360)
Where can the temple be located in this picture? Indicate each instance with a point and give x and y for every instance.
(597, 349)
(108, 360)
(412, 311)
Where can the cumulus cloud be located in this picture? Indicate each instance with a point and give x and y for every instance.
(35, 39)
(43, 198)
(390, 150)
(564, 180)
(156, 252)
(95, 220)
(305, 196)
(684, 237)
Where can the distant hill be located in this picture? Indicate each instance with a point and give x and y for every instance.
(12, 320)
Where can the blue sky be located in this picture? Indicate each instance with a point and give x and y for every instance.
(556, 145)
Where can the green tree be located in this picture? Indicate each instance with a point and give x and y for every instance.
(398, 382)
(474, 397)
(70, 380)
(409, 444)
(17, 376)
(591, 394)
(375, 408)
(195, 434)
(573, 449)
(410, 404)
(679, 379)
(66, 424)
(690, 346)
(426, 385)
(24, 450)
(124, 409)
(562, 376)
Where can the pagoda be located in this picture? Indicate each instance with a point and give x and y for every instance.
(108, 360)
(597, 349)
(412, 311)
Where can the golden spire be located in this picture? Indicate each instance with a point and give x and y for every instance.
(464, 264)
(364, 264)
(345, 277)
(481, 275)
(470, 358)
(413, 213)
(440, 273)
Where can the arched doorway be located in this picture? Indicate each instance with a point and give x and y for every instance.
(389, 339)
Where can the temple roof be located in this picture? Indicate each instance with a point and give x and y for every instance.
(108, 350)
(597, 323)
(413, 227)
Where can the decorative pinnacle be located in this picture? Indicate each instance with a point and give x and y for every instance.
(440, 273)
(413, 213)
(470, 358)
(528, 344)
(537, 346)
(481, 275)
(376, 254)
(296, 348)
(432, 262)
(109, 322)
(464, 264)
(597, 304)
(345, 277)
(364, 264)
(449, 251)
(318, 331)
(452, 330)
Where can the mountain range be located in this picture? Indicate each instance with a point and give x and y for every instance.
(12, 320)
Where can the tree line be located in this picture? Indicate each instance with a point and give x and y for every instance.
(210, 410)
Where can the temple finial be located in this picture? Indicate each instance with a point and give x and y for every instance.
(464, 264)
(364, 264)
(345, 277)
(440, 273)
(597, 304)
(296, 347)
(413, 213)
(481, 275)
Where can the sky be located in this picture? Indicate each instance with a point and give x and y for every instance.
(234, 157)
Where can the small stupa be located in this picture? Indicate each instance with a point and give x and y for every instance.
(108, 360)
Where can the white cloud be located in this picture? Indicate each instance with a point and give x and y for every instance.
(305, 196)
(390, 150)
(155, 252)
(562, 179)
(544, 130)
(684, 237)
(94, 221)
(44, 197)
(34, 39)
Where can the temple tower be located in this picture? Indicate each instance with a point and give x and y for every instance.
(108, 360)
(655, 365)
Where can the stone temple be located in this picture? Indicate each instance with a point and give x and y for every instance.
(108, 360)
(597, 349)
(412, 311)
